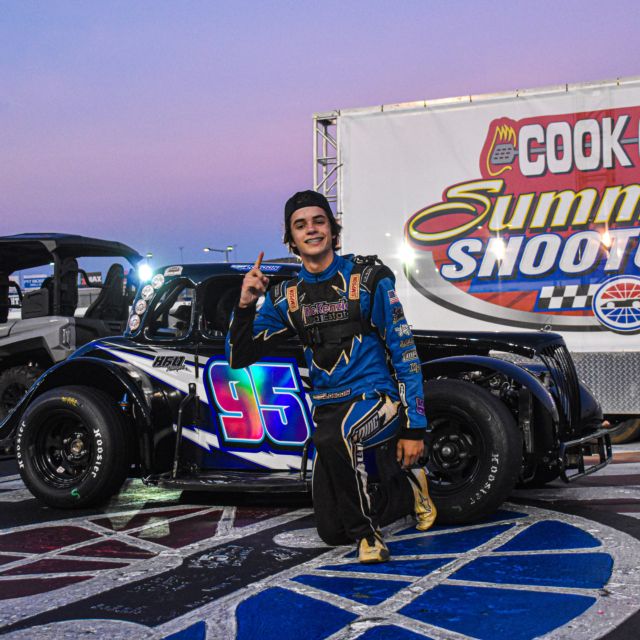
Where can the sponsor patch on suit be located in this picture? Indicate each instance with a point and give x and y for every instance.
(292, 298)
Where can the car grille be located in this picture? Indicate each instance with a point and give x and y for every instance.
(558, 361)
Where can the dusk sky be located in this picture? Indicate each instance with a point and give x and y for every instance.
(169, 124)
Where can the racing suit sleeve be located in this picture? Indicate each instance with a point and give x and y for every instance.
(387, 316)
(252, 335)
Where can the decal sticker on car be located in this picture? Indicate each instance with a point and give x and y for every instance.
(267, 268)
(262, 401)
(170, 362)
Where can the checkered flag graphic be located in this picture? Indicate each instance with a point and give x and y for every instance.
(572, 296)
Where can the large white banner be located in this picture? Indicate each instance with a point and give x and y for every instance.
(505, 212)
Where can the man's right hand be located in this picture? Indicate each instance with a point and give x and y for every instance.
(254, 284)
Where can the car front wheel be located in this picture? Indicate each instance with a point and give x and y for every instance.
(72, 447)
(474, 450)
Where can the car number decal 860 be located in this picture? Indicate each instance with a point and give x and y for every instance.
(263, 400)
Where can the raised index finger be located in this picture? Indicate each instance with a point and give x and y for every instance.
(259, 260)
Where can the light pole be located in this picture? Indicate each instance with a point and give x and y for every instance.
(226, 251)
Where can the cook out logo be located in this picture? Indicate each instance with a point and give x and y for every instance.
(553, 217)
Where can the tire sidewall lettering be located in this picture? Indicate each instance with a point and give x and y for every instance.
(492, 473)
(19, 436)
(98, 452)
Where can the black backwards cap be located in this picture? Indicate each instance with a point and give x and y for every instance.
(306, 199)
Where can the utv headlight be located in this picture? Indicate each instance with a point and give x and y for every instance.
(145, 272)
(65, 336)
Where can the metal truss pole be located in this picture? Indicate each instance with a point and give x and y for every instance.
(326, 161)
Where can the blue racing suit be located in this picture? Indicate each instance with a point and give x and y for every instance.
(365, 376)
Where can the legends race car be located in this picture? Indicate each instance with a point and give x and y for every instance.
(162, 403)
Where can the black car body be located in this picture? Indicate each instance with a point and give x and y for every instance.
(162, 401)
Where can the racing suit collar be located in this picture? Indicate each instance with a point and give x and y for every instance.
(328, 273)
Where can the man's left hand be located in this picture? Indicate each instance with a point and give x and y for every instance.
(408, 452)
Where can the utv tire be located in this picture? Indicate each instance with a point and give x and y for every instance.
(72, 447)
(14, 383)
(474, 449)
(629, 432)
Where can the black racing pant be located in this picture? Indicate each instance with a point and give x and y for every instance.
(346, 508)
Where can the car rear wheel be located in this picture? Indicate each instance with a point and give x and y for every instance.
(72, 447)
(474, 449)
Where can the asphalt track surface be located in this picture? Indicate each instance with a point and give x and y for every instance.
(559, 562)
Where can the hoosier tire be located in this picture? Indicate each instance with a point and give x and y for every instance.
(72, 447)
(475, 450)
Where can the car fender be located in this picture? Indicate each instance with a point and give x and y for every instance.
(459, 364)
(88, 371)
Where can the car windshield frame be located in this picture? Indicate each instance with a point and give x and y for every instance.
(161, 304)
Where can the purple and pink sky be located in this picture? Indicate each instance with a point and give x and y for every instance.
(186, 124)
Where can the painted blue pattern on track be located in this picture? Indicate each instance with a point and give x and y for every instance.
(498, 516)
(572, 570)
(390, 632)
(487, 614)
(442, 544)
(398, 567)
(482, 612)
(551, 534)
(197, 631)
(276, 614)
(371, 592)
